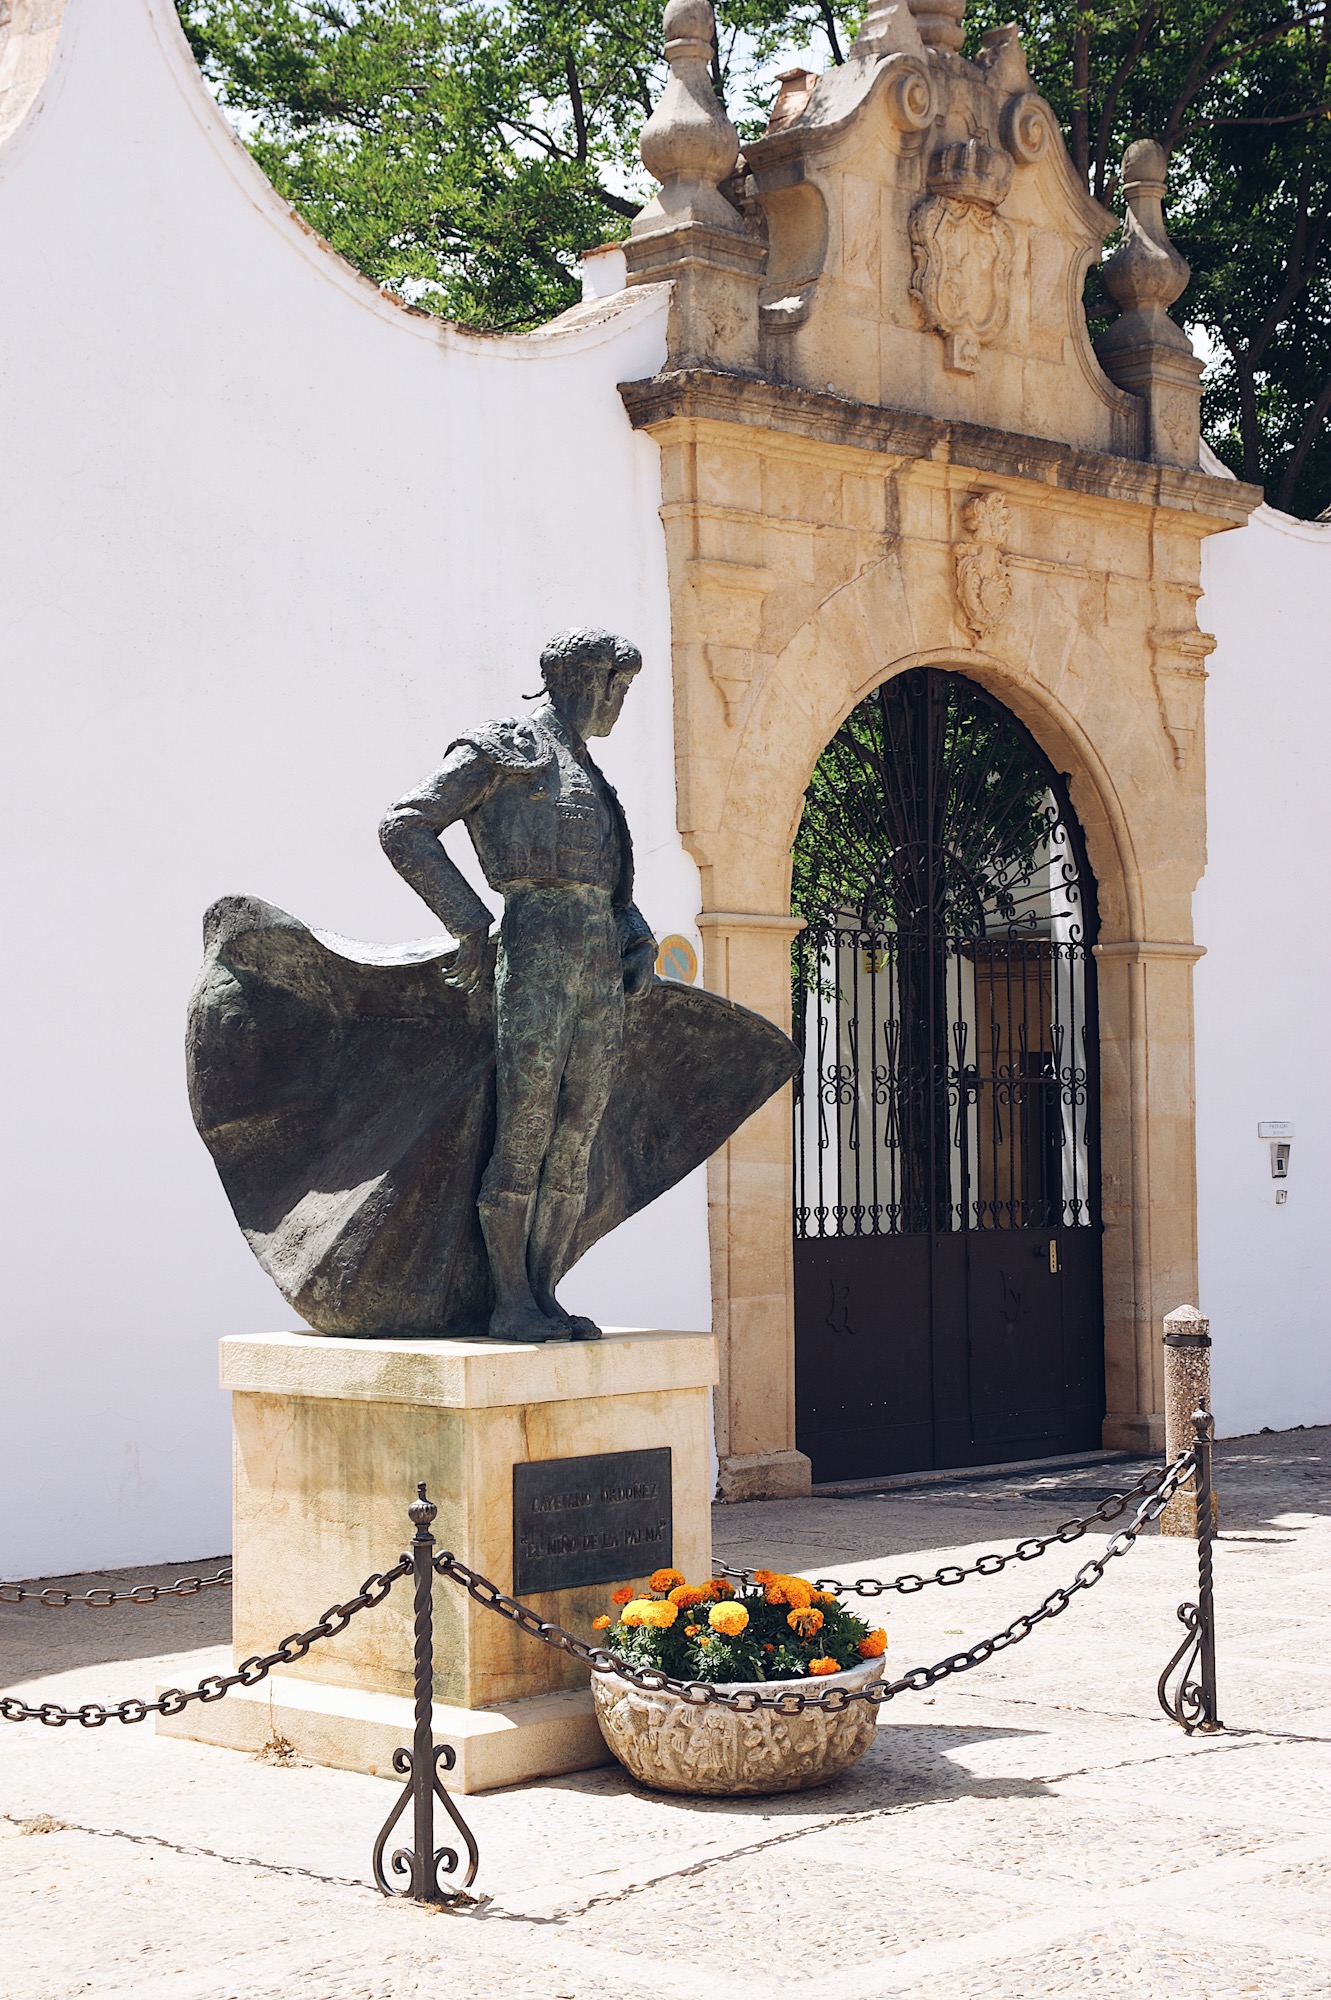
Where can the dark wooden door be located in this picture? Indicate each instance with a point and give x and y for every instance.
(947, 1236)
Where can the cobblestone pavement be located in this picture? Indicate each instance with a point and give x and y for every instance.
(1034, 1829)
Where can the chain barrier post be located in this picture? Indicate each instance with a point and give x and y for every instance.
(417, 1868)
(1204, 1426)
(1192, 1702)
(1187, 1388)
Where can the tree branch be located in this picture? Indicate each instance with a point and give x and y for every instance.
(1289, 118)
(1149, 22)
(1307, 437)
(1081, 97)
(829, 25)
(575, 99)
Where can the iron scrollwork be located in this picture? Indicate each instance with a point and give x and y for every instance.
(415, 1870)
(1191, 1702)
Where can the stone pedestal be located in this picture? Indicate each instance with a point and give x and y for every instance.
(1187, 1349)
(331, 1436)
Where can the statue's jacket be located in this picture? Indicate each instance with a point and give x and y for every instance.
(539, 812)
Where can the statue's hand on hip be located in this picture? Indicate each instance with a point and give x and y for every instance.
(640, 966)
(474, 963)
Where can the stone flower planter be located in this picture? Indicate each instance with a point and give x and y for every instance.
(664, 1741)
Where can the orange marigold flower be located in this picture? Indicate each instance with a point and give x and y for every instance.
(791, 1590)
(692, 1631)
(764, 1577)
(826, 1597)
(874, 1646)
(807, 1623)
(664, 1580)
(728, 1618)
(600, 1624)
(705, 1639)
(624, 1595)
(720, 1586)
(686, 1595)
(824, 1666)
(769, 1649)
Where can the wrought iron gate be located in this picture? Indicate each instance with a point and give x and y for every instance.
(947, 1229)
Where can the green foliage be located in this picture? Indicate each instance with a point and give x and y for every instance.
(465, 154)
(903, 775)
(1238, 93)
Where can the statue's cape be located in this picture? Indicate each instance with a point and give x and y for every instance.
(346, 1094)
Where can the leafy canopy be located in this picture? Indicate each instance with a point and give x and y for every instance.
(464, 155)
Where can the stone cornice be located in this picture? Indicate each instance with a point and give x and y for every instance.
(701, 395)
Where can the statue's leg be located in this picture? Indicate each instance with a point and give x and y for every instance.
(589, 1075)
(534, 1026)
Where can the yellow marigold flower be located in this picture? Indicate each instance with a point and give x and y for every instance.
(659, 1613)
(806, 1623)
(663, 1580)
(728, 1618)
(824, 1667)
(600, 1624)
(686, 1595)
(791, 1590)
(632, 1614)
(624, 1595)
(874, 1646)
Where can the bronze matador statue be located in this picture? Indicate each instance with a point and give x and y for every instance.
(423, 1139)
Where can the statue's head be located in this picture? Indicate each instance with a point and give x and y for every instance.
(587, 674)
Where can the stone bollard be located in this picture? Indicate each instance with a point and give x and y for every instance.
(1187, 1388)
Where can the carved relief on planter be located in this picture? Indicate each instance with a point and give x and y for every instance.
(984, 581)
(664, 1741)
(962, 249)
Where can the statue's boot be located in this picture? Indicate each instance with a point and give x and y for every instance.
(505, 1220)
(558, 1214)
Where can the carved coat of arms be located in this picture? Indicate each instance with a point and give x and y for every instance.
(962, 249)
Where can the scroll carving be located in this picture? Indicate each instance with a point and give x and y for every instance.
(984, 582)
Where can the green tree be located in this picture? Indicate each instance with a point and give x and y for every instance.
(465, 154)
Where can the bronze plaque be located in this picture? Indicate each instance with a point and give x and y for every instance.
(601, 1519)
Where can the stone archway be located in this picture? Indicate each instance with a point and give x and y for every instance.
(808, 564)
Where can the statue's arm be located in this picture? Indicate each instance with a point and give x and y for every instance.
(410, 830)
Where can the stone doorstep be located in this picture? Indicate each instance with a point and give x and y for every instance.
(350, 1729)
(969, 1475)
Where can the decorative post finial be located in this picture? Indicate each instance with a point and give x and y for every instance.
(688, 142)
(1144, 351)
(689, 235)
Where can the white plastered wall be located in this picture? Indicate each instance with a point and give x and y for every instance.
(1264, 987)
(269, 542)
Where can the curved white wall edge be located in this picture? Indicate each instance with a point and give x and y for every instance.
(581, 327)
(29, 41)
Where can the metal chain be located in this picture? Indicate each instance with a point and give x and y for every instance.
(99, 1600)
(790, 1701)
(213, 1686)
(997, 1561)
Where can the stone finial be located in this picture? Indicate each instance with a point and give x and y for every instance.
(688, 142)
(690, 236)
(1146, 273)
(1144, 351)
(792, 98)
(941, 23)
